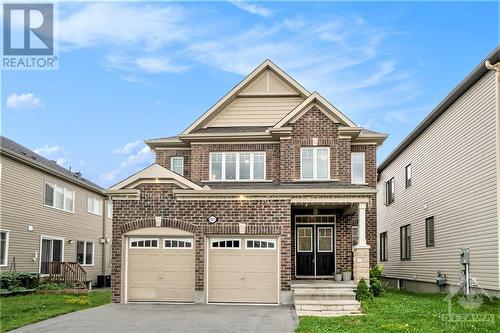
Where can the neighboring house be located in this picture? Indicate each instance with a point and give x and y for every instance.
(50, 214)
(264, 188)
(439, 191)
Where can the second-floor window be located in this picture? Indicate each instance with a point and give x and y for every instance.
(238, 166)
(177, 165)
(389, 191)
(358, 168)
(315, 163)
(94, 205)
(59, 197)
(408, 176)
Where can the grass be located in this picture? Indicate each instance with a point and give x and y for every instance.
(17, 311)
(397, 311)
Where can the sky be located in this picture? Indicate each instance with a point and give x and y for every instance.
(133, 71)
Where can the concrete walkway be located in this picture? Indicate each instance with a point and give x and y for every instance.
(172, 318)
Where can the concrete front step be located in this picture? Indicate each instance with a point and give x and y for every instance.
(303, 313)
(330, 285)
(327, 302)
(325, 295)
(312, 291)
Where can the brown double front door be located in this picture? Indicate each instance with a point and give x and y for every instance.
(315, 249)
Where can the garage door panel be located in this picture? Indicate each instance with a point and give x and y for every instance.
(243, 275)
(160, 274)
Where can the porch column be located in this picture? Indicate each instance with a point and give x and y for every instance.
(361, 266)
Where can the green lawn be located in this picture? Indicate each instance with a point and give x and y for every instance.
(17, 311)
(406, 312)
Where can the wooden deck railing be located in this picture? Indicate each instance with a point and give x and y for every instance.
(67, 272)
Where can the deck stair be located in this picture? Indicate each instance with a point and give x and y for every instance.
(325, 298)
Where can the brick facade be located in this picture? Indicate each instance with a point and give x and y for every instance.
(262, 217)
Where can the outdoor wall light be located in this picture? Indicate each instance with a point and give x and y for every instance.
(71, 241)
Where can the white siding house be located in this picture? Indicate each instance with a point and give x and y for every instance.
(452, 182)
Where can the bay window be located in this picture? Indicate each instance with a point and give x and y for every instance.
(237, 166)
(315, 163)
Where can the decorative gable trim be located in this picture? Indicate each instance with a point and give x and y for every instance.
(155, 173)
(217, 107)
(326, 107)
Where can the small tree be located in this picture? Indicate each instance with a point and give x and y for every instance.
(376, 284)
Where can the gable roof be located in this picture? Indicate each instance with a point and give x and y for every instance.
(19, 152)
(154, 173)
(476, 74)
(243, 87)
(325, 106)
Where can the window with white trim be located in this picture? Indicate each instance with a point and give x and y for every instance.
(314, 163)
(144, 243)
(325, 239)
(358, 168)
(408, 176)
(4, 248)
(383, 246)
(94, 205)
(261, 244)
(354, 235)
(59, 197)
(110, 209)
(178, 243)
(305, 239)
(225, 244)
(177, 165)
(238, 166)
(85, 253)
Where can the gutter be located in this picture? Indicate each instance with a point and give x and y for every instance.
(345, 191)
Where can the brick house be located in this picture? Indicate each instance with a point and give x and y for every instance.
(271, 185)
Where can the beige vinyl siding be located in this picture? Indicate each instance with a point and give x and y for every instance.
(22, 202)
(454, 176)
(255, 111)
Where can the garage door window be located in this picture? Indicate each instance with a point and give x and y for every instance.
(176, 243)
(144, 243)
(261, 244)
(225, 244)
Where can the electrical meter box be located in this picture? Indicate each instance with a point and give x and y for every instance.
(465, 256)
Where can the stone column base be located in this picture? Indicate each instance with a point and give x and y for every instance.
(361, 265)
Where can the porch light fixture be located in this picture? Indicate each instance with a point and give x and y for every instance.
(71, 241)
(212, 219)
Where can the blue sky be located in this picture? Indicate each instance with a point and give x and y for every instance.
(134, 71)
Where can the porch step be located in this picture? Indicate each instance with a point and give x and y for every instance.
(325, 298)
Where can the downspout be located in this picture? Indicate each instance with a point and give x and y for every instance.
(103, 260)
(496, 68)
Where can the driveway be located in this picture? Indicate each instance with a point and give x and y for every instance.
(172, 318)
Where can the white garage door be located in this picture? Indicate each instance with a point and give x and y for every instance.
(243, 269)
(160, 269)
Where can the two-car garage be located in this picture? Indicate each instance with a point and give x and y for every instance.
(239, 269)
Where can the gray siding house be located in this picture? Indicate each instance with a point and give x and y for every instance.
(50, 214)
(439, 191)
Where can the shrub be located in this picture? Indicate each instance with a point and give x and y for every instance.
(376, 284)
(362, 291)
(15, 281)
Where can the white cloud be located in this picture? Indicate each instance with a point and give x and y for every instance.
(139, 156)
(127, 148)
(148, 65)
(24, 101)
(54, 153)
(252, 8)
(107, 24)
